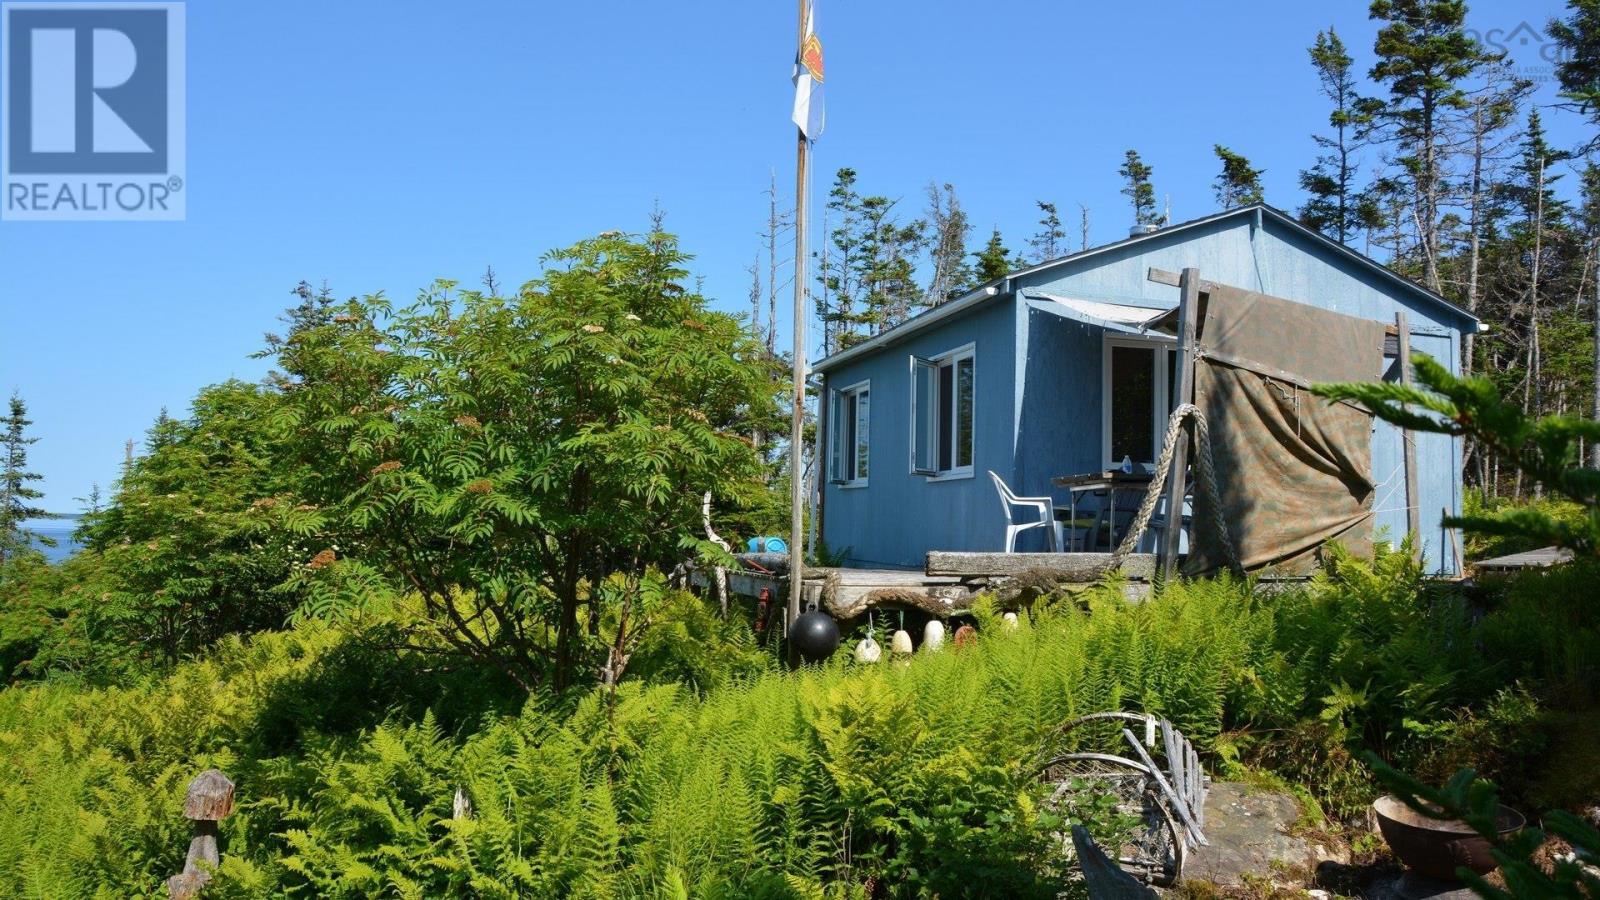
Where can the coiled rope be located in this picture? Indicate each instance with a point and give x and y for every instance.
(1206, 474)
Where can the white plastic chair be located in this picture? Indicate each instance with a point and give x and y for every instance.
(1047, 515)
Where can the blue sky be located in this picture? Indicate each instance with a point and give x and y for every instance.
(378, 145)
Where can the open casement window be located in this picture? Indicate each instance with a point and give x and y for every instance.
(849, 417)
(942, 400)
(1137, 396)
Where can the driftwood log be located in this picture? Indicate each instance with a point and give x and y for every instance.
(1072, 567)
(208, 801)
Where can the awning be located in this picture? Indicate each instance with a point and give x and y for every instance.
(1114, 316)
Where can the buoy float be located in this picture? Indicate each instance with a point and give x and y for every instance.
(965, 635)
(815, 634)
(1009, 620)
(868, 650)
(932, 636)
(900, 644)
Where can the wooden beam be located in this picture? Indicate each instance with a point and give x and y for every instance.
(1408, 443)
(1188, 307)
(1080, 567)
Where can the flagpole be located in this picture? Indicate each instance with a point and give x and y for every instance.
(797, 419)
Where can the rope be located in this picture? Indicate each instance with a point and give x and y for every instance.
(1206, 474)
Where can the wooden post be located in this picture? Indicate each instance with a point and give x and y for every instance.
(1188, 309)
(796, 424)
(1408, 445)
(209, 801)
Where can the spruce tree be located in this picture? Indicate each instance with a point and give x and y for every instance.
(947, 245)
(994, 260)
(1047, 242)
(1238, 184)
(17, 495)
(1424, 55)
(887, 271)
(1139, 190)
(1334, 206)
(1578, 36)
(837, 301)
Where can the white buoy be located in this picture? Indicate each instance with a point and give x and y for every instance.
(900, 644)
(1009, 620)
(868, 650)
(933, 635)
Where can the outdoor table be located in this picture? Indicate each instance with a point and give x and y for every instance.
(1111, 482)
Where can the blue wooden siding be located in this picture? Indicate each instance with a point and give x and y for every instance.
(898, 517)
(1039, 414)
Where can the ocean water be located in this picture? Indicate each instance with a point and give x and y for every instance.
(60, 530)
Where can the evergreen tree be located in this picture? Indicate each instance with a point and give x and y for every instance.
(994, 260)
(1424, 56)
(1536, 175)
(17, 495)
(1578, 36)
(887, 272)
(1139, 190)
(836, 304)
(1334, 206)
(1238, 184)
(947, 246)
(1047, 242)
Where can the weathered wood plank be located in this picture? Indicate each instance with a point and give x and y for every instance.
(1408, 442)
(1181, 808)
(1188, 312)
(1104, 878)
(1070, 566)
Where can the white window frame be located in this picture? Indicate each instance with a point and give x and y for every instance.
(841, 429)
(953, 357)
(1158, 417)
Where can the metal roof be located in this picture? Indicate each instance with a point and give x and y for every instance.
(1003, 285)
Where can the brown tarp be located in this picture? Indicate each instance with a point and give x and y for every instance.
(1293, 470)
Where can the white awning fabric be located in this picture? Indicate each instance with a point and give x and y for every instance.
(1116, 316)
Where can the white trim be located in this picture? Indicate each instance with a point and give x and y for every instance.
(1158, 417)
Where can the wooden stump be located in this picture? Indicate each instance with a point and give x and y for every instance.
(208, 801)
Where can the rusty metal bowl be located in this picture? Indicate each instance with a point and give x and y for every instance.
(1436, 847)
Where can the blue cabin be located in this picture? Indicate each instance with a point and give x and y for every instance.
(1045, 373)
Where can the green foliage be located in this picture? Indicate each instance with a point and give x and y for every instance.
(17, 493)
(1138, 189)
(1479, 504)
(1544, 448)
(185, 552)
(1578, 36)
(504, 457)
(715, 774)
(1239, 183)
(994, 260)
(1335, 206)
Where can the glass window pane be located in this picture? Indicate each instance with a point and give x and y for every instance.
(862, 416)
(1133, 403)
(850, 437)
(964, 412)
(925, 403)
(946, 402)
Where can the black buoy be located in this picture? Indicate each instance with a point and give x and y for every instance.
(815, 634)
